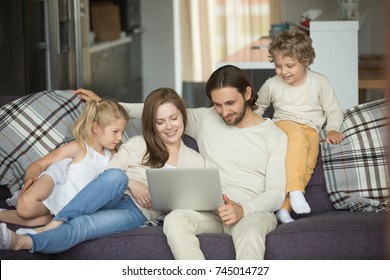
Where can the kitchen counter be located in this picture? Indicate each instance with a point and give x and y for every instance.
(254, 56)
(254, 60)
(109, 44)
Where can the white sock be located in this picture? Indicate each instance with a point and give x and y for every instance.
(2, 209)
(5, 237)
(24, 231)
(283, 216)
(14, 199)
(299, 203)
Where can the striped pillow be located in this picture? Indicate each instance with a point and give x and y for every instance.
(356, 171)
(32, 126)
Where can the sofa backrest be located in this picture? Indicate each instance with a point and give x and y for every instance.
(190, 142)
(4, 99)
(316, 194)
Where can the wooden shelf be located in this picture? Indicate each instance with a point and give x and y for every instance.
(371, 75)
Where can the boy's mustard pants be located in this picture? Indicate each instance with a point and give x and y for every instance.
(301, 158)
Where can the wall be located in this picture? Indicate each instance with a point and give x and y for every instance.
(371, 30)
(336, 42)
(158, 49)
(292, 9)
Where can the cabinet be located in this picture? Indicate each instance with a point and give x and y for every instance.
(112, 71)
(336, 47)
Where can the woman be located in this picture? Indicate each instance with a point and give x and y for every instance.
(112, 203)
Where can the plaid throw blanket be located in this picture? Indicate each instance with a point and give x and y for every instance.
(32, 126)
(356, 171)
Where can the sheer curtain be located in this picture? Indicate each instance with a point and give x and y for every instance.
(196, 42)
(214, 29)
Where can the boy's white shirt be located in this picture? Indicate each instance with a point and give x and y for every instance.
(311, 103)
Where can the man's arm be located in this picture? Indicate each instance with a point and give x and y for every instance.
(275, 181)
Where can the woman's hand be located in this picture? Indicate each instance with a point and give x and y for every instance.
(87, 95)
(334, 137)
(140, 193)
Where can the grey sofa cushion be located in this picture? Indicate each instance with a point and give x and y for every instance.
(148, 243)
(4, 99)
(330, 235)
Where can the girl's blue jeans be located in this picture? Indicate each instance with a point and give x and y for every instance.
(99, 209)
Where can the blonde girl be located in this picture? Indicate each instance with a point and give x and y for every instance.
(52, 181)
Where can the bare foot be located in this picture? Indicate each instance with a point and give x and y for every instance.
(52, 225)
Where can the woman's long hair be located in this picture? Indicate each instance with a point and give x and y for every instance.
(156, 152)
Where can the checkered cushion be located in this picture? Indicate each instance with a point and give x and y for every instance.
(32, 126)
(356, 171)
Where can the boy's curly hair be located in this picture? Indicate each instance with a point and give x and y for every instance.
(293, 43)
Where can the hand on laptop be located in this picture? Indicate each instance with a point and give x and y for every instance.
(140, 193)
(231, 212)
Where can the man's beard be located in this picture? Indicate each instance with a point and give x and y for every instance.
(239, 117)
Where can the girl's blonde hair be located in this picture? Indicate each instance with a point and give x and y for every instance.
(103, 113)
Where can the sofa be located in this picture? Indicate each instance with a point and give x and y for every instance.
(326, 233)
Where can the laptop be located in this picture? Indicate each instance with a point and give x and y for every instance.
(185, 188)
